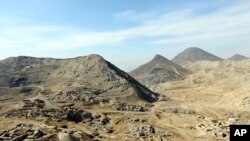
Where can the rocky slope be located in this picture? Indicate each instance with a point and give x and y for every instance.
(159, 70)
(237, 57)
(89, 72)
(199, 107)
(194, 54)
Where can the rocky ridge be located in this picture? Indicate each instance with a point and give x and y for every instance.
(91, 72)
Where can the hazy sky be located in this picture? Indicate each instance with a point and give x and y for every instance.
(125, 32)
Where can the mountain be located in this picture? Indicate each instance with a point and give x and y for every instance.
(194, 54)
(91, 73)
(237, 57)
(159, 70)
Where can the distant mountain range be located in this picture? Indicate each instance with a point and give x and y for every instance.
(159, 70)
(95, 72)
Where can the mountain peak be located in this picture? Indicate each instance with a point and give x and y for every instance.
(194, 54)
(193, 48)
(95, 56)
(92, 71)
(160, 58)
(159, 70)
(237, 57)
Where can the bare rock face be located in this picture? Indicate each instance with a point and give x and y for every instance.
(24, 70)
(194, 54)
(91, 72)
(237, 57)
(159, 70)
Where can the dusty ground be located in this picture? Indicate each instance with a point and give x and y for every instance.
(216, 92)
(197, 108)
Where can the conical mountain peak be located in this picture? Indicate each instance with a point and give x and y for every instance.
(160, 58)
(237, 57)
(194, 54)
(159, 70)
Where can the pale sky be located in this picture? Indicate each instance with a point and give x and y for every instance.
(128, 33)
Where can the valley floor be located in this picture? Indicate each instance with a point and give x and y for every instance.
(200, 107)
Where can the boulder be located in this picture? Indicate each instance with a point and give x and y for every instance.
(67, 137)
(38, 134)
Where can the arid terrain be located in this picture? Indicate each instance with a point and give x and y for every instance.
(206, 102)
(88, 98)
(124, 70)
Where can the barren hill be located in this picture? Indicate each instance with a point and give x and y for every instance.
(92, 73)
(237, 57)
(159, 70)
(194, 54)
